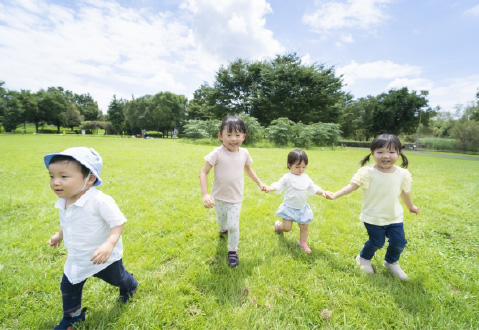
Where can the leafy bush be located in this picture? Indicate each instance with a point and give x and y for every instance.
(326, 133)
(254, 131)
(468, 135)
(302, 135)
(212, 127)
(196, 129)
(280, 131)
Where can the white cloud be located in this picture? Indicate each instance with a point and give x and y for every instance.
(357, 14)
(381, 76)
(474, 11)
(226, 27)
(125, 51)
(376, 70)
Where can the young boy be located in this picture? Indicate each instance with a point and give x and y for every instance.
(91, 226)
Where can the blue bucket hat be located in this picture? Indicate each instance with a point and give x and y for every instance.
(85, 156)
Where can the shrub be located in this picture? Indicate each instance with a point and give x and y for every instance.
(280, 131)
(254, 131)
(196, 129)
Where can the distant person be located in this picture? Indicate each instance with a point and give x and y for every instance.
(91, 226)
(175, 133)
(298, 187)
(383, 183)
(229, 161)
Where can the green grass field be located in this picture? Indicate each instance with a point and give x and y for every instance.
(171, 245)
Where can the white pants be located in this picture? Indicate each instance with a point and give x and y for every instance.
(228, 215)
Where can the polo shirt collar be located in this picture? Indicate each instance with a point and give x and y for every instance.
(60, 204)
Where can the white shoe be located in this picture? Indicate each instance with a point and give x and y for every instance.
(395, 269)
(365, 265)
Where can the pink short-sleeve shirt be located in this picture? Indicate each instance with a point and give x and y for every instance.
(228, 182)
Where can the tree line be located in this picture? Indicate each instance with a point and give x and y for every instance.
(283, 88)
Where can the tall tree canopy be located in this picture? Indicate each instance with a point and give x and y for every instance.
(267, 90)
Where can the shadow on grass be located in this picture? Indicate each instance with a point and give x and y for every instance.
(225, 283)
(94, 318)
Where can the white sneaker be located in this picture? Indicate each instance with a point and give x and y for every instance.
(365, 265)
(395, 269)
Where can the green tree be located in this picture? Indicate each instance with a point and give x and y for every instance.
(115, 114)
(268, 90)
(53, 105)
(73, 117)
(397, 112)
(87, 106)
(12, 111)
(31, 112)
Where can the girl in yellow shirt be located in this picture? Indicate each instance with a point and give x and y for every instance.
(383, 183)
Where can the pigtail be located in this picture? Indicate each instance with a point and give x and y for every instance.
(365, 160)
(405, 163)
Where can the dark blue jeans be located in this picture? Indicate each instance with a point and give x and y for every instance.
(115, 274)
(377, 237)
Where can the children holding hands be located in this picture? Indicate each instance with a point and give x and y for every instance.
(298, 187)
(383, 183)
(229, 162)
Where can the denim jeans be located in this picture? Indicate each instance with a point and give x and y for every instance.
(377, 236)
(115, 274)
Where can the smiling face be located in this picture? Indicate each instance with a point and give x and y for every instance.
(231, 140)
(385, 158)
(297, 168)
(67, 180)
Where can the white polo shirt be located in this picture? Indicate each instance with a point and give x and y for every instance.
(86, 225)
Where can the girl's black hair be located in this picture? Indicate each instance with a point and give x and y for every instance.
(233, 123)
(386, 141)
(297, 155)
(59, 158)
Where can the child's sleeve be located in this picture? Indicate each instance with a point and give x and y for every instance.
(110, 212)
(248, 160)
(212, 157)
(313, 188)
(279, 185)
(361, 178)
(406, 182)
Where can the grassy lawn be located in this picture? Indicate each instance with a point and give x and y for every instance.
(171, 245)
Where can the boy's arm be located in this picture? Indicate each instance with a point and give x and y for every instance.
(102, 254)
(249, 170)
(56, 239)
(208, 201)
(406, 197)
(346, 190)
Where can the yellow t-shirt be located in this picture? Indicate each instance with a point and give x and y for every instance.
(381, 192)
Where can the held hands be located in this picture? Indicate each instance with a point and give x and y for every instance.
(329, 195)
(102, 254)
(208, 201)
(55, 240)
(267, 189)
(262, 186)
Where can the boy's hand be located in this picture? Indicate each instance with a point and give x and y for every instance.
(414, 209)
(208, 201)
(55, 240)
(102, 254)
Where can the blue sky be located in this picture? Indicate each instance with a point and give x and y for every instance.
(141, 47)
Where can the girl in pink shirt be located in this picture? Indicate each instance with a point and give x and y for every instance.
(229, 161)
